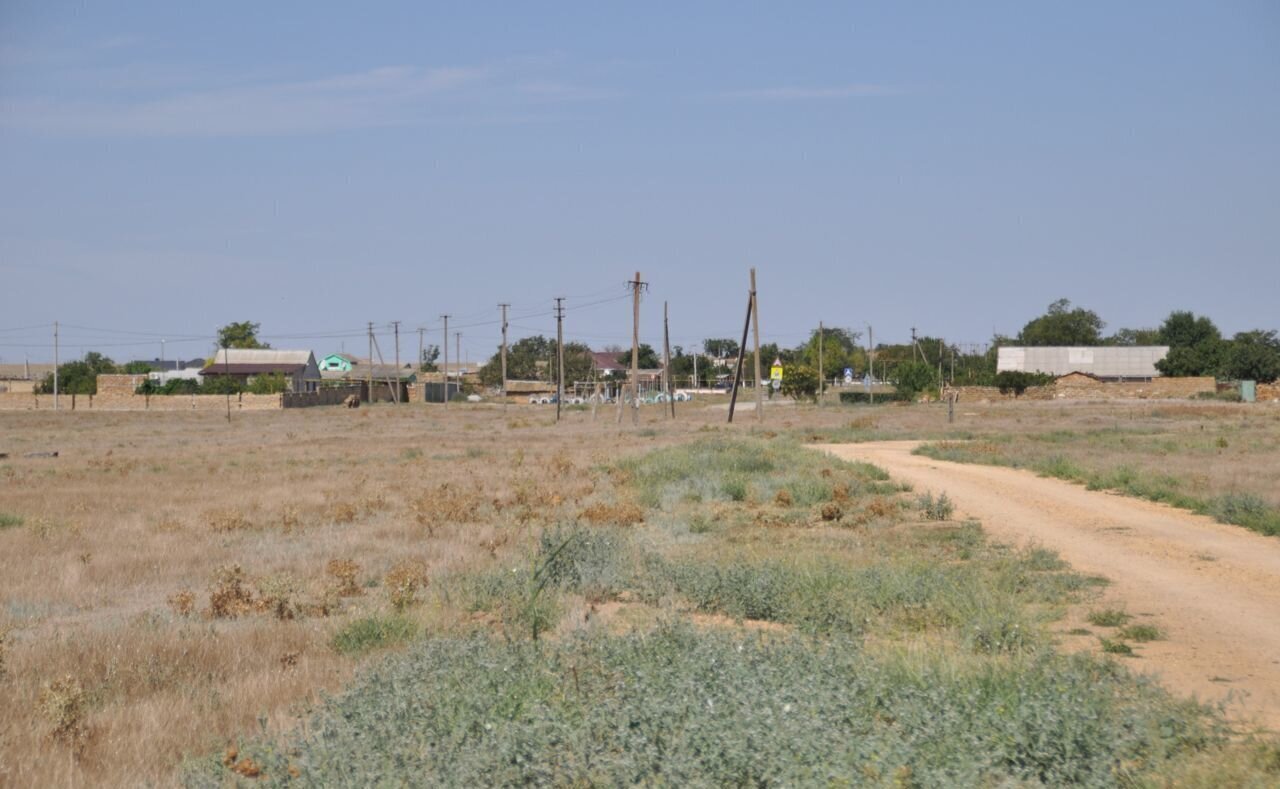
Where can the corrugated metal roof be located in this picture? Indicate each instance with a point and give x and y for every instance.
(261, 356)
(1107, 361)
(243, 368)
(380, 372)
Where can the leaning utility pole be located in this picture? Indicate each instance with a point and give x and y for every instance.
(445, 346)
(742, 352)
(755, 319)
(666, 358)
(55, 365)
(504, 353)
(560, 354)
(369, 392)
(636, 286)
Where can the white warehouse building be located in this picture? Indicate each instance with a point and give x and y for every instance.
(1105, 362)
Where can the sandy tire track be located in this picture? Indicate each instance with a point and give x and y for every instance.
(1214, 589)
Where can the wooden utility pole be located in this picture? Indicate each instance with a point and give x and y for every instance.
(504, 353)
(394, 389)
(742, 352)
(457, 347)
(636, 286)
(821, 380)
(914, 345)
(370, 390)
(418, 366)
(226, 372)
(666, 358)
(560, 354)
(755, 320)
(871, 362)
(445, 346)
(395, 326)
(55, 365)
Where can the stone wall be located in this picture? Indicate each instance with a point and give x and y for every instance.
(1269, 392)
(1085, 388)
(116, 393)
(327, 395)
(1081, 388)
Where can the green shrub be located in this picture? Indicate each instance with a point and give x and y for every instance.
(685, 707)
(1115, 646)
(936, 509)
(1245, 509)
(1141, 633)
(1108, 617)
(373, 632)
(9, 520)
(864, 397)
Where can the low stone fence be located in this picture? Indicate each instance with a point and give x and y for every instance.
(117, 393)
(137, 402)
(327, 395)
(1269, 392)
(1089, 389)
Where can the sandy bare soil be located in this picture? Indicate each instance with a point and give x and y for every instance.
(1213, 589)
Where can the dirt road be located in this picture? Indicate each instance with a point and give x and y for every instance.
(1213, 589)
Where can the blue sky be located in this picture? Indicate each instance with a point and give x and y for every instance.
(168, 167)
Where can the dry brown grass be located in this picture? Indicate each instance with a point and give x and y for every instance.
(174, 658)
(405, 580)
(612, 513)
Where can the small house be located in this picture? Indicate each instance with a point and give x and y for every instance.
(299, 368)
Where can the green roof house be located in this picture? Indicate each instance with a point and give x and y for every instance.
(338, 363)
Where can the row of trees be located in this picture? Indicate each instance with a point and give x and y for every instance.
(1196, 345)
(81, 376)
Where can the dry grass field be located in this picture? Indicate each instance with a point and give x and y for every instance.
(171, 584)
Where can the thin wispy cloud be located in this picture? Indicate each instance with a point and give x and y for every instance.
(380, 97)
(797, 93)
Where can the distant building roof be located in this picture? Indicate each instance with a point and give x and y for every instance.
(261, 356)
(249, 368)
(258, 361)
(381, 372)
(607, 360)
(1108, 361)
(174, 364)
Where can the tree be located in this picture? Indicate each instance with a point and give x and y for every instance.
(1182, 329)
(648, 358)
(427, 363)
(577, 364)
(839, 350)
(1018, 382)
(1131, 337)
(526, 361)
(1062, 325)
(720, 348)
(800, 382)
(268, 383)
(1195, 345)
(80, 377)
(915, 378)
(240, 335)
(1253, 356)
